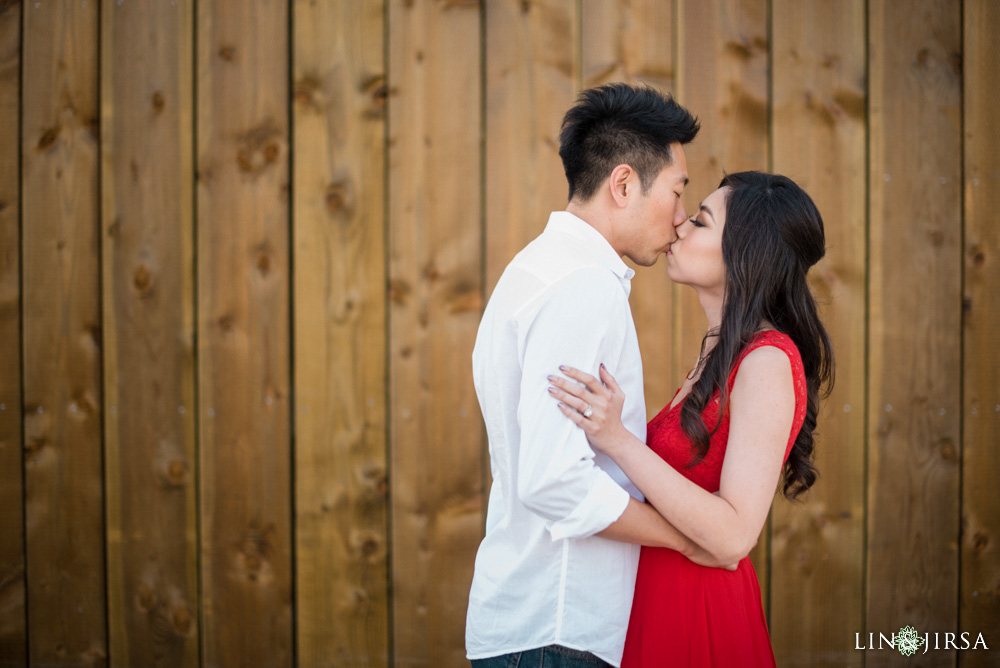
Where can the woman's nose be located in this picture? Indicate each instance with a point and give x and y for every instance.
(679, 230)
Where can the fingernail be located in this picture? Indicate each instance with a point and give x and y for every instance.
(562, 368)
(602, 365)
(550, 378)
(552, 390)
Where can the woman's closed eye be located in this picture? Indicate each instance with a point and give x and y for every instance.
(696, 222)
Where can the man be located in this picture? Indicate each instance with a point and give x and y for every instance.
(555, 573)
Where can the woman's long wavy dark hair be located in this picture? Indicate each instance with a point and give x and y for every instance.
(773, 234)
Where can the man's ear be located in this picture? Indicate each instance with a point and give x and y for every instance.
(621, 183)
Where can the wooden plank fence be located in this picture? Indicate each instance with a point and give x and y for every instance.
(244, 247)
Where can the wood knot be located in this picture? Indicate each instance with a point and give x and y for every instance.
(399, 290)
(380, 95)
(431, 272)
(147, 598)
(305, 89)
(252, 561)
(378, 480)
(263, 262)
(948, 451)
(94, 333)
(258, 147)
(271, 151)
(48, 138)
(182, 621)
(936, 237)
(369, 547)
(244, 160)
(33, 446)
(158, 101)
(922, 57)
(226, 322)
(979, 542)
(741, 48)
(227, 53)
(956, 63)
(83, 402)
(303, 97)
(176, 472)
(142, 279)
(339, 198)
(978, 256)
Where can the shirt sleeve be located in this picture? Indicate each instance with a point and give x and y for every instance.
(580, 322)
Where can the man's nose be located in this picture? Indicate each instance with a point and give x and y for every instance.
(679, 225)
(680, 215)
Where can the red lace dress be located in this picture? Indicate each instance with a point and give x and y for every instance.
(688, 615)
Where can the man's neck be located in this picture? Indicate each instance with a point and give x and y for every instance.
(593, 214)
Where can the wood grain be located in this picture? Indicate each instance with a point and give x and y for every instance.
(64, 516)
(13, 611)
(915, 331)
(436, 296)
(980, 559)
(634, 42)
(148, 302)
(531, 81)
(342, 548)
(722, 78)
(818, 139)
(244, 346)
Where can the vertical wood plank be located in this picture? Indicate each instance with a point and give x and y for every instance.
(722, 79)
(915, 278)
(980, 565)
(244, 347)
(435, 279)
(531, 80)
(342, 605)
(819, 140)
(13, 613)
(633, 41)
(64, 514)
(147, 254)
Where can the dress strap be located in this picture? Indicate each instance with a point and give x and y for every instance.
(771, 337)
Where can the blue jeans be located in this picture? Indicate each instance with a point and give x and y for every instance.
(553, 656)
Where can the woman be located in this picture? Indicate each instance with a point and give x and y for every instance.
(744, 417)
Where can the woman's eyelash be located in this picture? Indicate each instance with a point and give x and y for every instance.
(694, 221)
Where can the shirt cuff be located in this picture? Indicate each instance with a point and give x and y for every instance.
(604, 503)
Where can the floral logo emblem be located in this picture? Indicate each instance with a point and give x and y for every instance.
(908, 641)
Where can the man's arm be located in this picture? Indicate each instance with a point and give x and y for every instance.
(580, 320)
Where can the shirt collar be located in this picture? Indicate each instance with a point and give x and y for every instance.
(566, 223)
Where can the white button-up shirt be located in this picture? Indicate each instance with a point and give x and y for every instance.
(541, 575)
